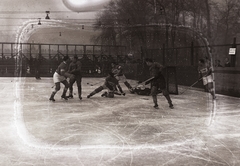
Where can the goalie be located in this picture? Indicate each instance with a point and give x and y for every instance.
(110, 84)
(142, 89)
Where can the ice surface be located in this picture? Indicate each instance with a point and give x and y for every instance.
(124, 130)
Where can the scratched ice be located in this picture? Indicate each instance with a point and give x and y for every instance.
(125, 130)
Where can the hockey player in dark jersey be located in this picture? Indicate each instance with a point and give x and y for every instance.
(60, 76)
(110, 84)
(75, 69)
(157, 82)
(205, 73)
(117, 70)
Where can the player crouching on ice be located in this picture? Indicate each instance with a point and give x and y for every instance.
(117, 70)
(110, 84)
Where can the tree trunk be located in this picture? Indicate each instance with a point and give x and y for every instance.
(208, 19)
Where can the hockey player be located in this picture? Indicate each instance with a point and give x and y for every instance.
(205, 73)
(117, 70)
(60, 76)
(157, 81)
(110, 83)
(75, 69)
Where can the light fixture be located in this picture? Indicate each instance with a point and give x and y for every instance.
(47, 17)
(39, 21)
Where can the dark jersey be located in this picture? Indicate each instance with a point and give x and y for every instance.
(75, 68)
(117, 70)
(62, 68)
(111, 82)
(156, 71)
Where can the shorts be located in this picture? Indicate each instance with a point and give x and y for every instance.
(58, 78)
(159, 82)
(207, 80)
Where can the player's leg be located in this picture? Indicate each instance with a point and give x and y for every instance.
(167, 96)
(71, 82)
(99, 89)
(120, 89)
(210, 86)
(66, 86)
(163, 88)
(154, 96)
(56, 79)
(79, 85)
(124, 80)
(57, 88)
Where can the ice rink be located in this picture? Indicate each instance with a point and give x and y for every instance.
(120, 131)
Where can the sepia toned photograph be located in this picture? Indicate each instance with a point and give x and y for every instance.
(120, 82)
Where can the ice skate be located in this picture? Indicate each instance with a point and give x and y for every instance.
(156, 106)
(88, 96)
(64, 97)
(51, 99)
(70, 96)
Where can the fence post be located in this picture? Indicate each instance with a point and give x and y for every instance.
(192, 52)
(164, 52)
(233, 57)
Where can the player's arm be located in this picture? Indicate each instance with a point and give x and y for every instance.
(70, 69)
(149, 80)
(159, 66)
(64, 73)
(210, 71)
(79, 66)
(159, 72)
(119, 71)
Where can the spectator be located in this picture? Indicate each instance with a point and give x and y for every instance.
(219, 63)
(227, 62)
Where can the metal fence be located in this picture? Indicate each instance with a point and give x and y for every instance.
(21, 59)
